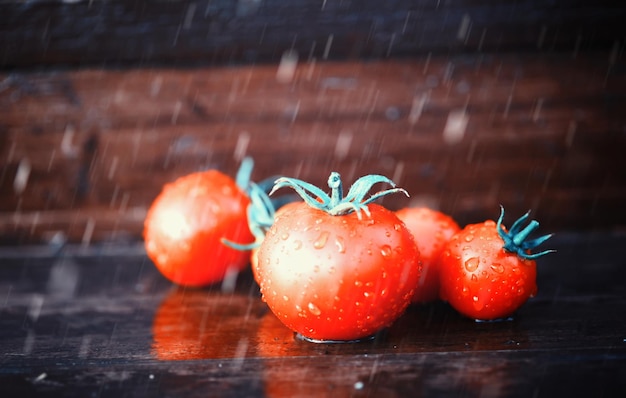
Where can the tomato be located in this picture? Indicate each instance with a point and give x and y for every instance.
(335, 268)
(431, 229)
(186, 223)
(487, 273)
(254, 255)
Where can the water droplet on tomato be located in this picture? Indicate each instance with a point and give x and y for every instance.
(478, 304)
(339, 242)
(297, 245)
(285, 298)
(284, 236)
(385, 250)
(474, 278)
(313, 309)
(471, 264)
(358, 283)
(469, 238)
(321, 240)
(498, 268)
(397, 227)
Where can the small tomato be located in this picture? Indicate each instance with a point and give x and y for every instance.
(186, 223)
(431, 229)
(487, 273)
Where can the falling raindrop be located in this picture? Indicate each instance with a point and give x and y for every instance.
(34, 309)
(537, 110)
(241, 147)
(417, 107)
(64, 278)
(455, 127)
(287, 67)
(344, 141)
(464, 28)
(329, 43)
(21, 176)
(67, 147)
(113, 168)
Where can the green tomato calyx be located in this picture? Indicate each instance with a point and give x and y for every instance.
(336, 204)
(515, 239)
(261, 210)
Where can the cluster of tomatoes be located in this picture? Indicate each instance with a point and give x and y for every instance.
(338, 267)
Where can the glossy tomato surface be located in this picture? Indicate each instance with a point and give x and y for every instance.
(480, 279)
(431, 229)
(254, 254)
(337, 277)
(186, 223)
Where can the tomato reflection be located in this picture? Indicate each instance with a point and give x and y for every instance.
(201, 324)
(294, 367)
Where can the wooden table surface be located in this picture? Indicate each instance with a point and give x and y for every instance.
(100, 321)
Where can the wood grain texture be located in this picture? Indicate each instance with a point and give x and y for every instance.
(100, 320)
(543, 132)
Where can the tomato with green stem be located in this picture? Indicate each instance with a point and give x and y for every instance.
(187, 221)
(487, 272)
(431, 229)
(335, 268)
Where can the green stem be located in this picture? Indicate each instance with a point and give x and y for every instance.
(334, 183)
(515, 241)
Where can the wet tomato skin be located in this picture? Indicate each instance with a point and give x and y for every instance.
(431, 229)
(480, 279)
(337, 277)
(186, 222)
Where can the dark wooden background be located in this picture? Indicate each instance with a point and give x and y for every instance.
(183, 32)
(102, 102)
(468, 104)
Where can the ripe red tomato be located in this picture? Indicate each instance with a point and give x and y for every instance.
(487, 273)
(431, 229)
(186, 223)
(336, 269)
